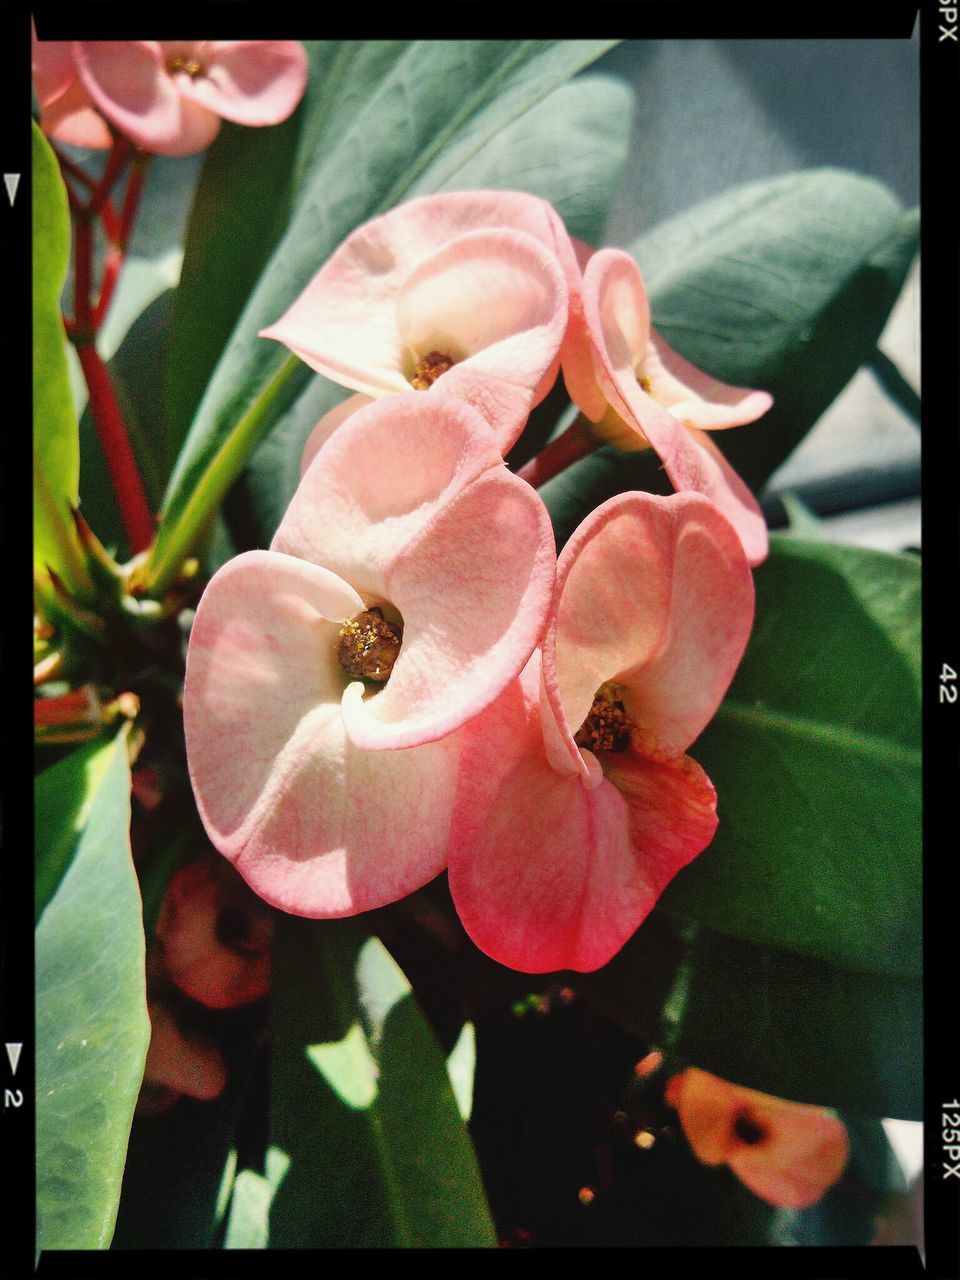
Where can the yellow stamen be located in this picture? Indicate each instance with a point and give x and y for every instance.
(367, 646)
(607, 726)
(429, 369)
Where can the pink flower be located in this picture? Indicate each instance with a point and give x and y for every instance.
(564, 839)
(787, 1153)
(167, 96)
(300, 699)
(214, 936)
(638, 391)
(179, 1064)
(463, 291)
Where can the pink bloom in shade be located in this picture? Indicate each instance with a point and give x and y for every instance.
(179, 1064)
(214, 936)
(639, 391)
(787, 1153)
(297, 764)
(168, 97)
(565, 837)
(66, 112)
(464, 291)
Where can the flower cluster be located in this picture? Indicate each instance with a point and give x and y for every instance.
(168, 97)
(409, 679)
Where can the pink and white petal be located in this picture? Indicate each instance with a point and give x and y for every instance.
(198, 128)
(52, 67)
(542, 872)
(473, 589)
(262, 685)
(354, 515)
(71, 118)
(496, 303)
(128, 83)
(671, 812)
(699, 466)
(344, 324)
(804, 1157)
(325, 428)
(692, 395)
(352, 830)
(251, 82)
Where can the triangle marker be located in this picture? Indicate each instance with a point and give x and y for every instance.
(13, 1050)
(11, 181)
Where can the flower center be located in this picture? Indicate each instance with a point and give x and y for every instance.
(645, 383)
(749, 1130)
(429, 369)
(607, 726)
(367, 645)
(191, 67)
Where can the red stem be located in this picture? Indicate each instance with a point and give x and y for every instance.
(134, 511)
(119, 155)
(131, 198)
(82, 270)
(576, 442)
(74, 170)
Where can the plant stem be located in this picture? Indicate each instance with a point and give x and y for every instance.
(574, 443)
(124, 476)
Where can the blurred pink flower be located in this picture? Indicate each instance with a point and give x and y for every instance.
(565, 837)
(467, 292)
(167, 96)
(179, 1064)
(406, 586)
(637, 391)
(787, 1153)
(214, 936)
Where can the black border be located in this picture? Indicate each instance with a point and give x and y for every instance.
(940, 273)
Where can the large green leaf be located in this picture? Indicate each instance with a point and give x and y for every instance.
(55, 442)
(798, 1028)
(361, 1105)
(64, 796)
(405, 129)
(783, 284)
(92, 1028)
(815, 754)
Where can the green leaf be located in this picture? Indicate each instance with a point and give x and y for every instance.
(403, 131)
(64, 796)
(815, 755)
(362, 1105)
(784, 285)
(248, 1224)
(799, 1028)
(92, 1029)
(590, 117)
(55, 443)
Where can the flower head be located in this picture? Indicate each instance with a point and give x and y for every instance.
(787, 1153)
(464, 292)
(167, 96)
(395, 604)
(638, 391)
(561, 847)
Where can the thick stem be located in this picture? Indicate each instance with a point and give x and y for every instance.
(576, 442)
(119, 155)
(124, 476)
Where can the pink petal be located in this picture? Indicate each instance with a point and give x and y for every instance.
(214, 936)
(407, 537)
(792, 1153)
(70, 118)
(184, 1064)
(251, 82)
(52, 68)
(314, 825)
(127, 82)
(546, 874)
(648, 590)
(345, 323)
(325, 428)
(693, 396)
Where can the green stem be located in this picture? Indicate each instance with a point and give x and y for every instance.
(895, 384)
(177, 542)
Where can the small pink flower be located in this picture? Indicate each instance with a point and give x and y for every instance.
(179, 1064)
(787, 1153)
(462, 291)
(638, 391)
(300, 699)
(564, 838)
(214, 936)
(167, 96)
